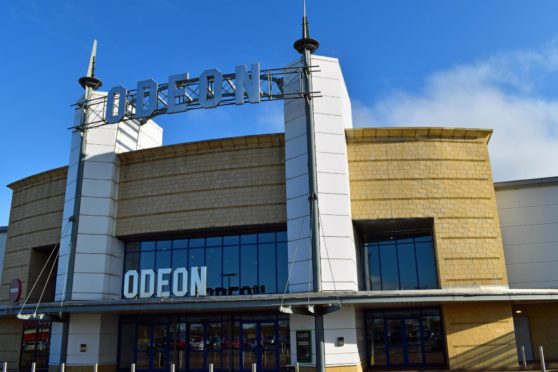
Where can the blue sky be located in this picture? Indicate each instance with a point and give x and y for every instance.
(474, 63)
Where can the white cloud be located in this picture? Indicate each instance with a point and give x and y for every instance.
(504, 93)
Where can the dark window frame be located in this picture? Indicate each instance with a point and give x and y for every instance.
(279, 239)
(387, 314)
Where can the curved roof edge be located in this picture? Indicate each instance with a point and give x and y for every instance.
(38, 178)
(419, 132)
(273, 139)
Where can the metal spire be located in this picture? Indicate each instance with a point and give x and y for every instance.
(306, 43)
(89, 80)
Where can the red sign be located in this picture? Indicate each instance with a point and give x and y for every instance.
(15, 290)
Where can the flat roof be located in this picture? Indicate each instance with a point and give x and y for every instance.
(353, 134)
(532, 182)
(3, 229)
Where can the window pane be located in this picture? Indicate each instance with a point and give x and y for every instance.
(127, 341)
(428, 277)
(196, 257)
(214, 275)
(422, 239)
(147, 260)
(196, 342)
(281, 236)
(376, 342)
(163, 259)
(132, 261)
(179, 258)
(375, 276)
(231, 267)
(163, 245)
(213, 242)
(197, 243)
(248, 239)
(282, 266)
(249, 265)
(178, 244)
(388, 262)
(266, 237)
(231, 240)
(132, 246)
(147, 246)
(407, 266)
(267, 267)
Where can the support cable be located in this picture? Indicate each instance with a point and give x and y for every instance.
(292, 263)
(322, 234)
(28, 316)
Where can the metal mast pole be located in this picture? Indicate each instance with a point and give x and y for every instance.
(306, 46)
(89, 83)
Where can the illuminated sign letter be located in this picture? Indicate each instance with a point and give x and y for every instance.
(175, 91)
(146, 88)
(180, 282)
(211, 88)
(131, 277)
(147, 289)
(247, 84)
(198, 281)
(111, 116)
(162, 282)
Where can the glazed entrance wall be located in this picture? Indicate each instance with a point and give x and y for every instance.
(230, 342)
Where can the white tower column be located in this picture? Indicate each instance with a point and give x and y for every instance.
(98, 256)
(332, 114)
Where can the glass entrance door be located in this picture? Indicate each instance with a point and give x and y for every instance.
(259, 340)
(152, 349)
(404, 342)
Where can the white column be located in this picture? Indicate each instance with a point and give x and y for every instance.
(98, 255)
(99, 334)
(332, 114)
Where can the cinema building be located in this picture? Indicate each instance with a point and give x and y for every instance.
(204, 253)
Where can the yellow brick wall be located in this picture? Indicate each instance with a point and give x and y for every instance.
(210, 184)
(480, 336)
(35, 220)
(543, 324)
(445, 176)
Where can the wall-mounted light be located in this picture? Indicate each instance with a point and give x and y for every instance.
(518, 311)
(340, 341)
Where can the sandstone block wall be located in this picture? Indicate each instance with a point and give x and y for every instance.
(436, 173)
(202, 185)
(35, 221)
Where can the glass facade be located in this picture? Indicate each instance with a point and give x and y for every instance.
(405, 338)
(401, 263)
(236, 264)
(230, 342)
(35, 344)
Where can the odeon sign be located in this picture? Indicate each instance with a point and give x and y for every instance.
(209, 93)
(164, 282)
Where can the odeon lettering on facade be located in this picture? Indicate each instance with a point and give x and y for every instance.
(327, 246)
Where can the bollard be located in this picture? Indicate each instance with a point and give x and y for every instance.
(523, 358)
(297, 367)
(62, 367)
(210, 367)
(254, 368)
(5, 367)
(133, 367)
(543, 365)
(173, 367)
(33, 367)
(96, 367)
